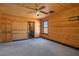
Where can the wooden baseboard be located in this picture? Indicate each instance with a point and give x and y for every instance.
(24, 39)
(18, 40)
(62, 43)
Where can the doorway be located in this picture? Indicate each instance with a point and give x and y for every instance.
(31, 29)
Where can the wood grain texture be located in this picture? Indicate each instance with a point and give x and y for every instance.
(18, 29)
(63, 30)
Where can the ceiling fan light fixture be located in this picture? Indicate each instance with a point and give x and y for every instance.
(37, 13)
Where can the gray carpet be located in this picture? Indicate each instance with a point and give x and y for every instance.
(36, 47)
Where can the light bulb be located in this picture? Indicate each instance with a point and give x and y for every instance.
(37, 14)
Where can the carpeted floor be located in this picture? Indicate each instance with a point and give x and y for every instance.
(36, 47)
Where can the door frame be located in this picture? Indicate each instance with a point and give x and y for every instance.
(29, 28)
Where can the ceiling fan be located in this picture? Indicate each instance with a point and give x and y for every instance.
(39, 9)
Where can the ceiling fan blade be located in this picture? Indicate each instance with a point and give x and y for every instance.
(42, 7)
(43, 12)
(46, 12)
(30, 8)
(36, 4)
(38, 7)
(51, 11)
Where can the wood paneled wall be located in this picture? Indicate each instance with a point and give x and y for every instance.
(19, 30)
(15, 27)
(61, 29)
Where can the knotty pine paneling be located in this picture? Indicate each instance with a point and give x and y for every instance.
(63, 30)
(18, 29)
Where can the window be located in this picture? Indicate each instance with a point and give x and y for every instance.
(45, 24)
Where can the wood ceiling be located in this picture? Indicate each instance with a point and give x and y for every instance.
(20, 9)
